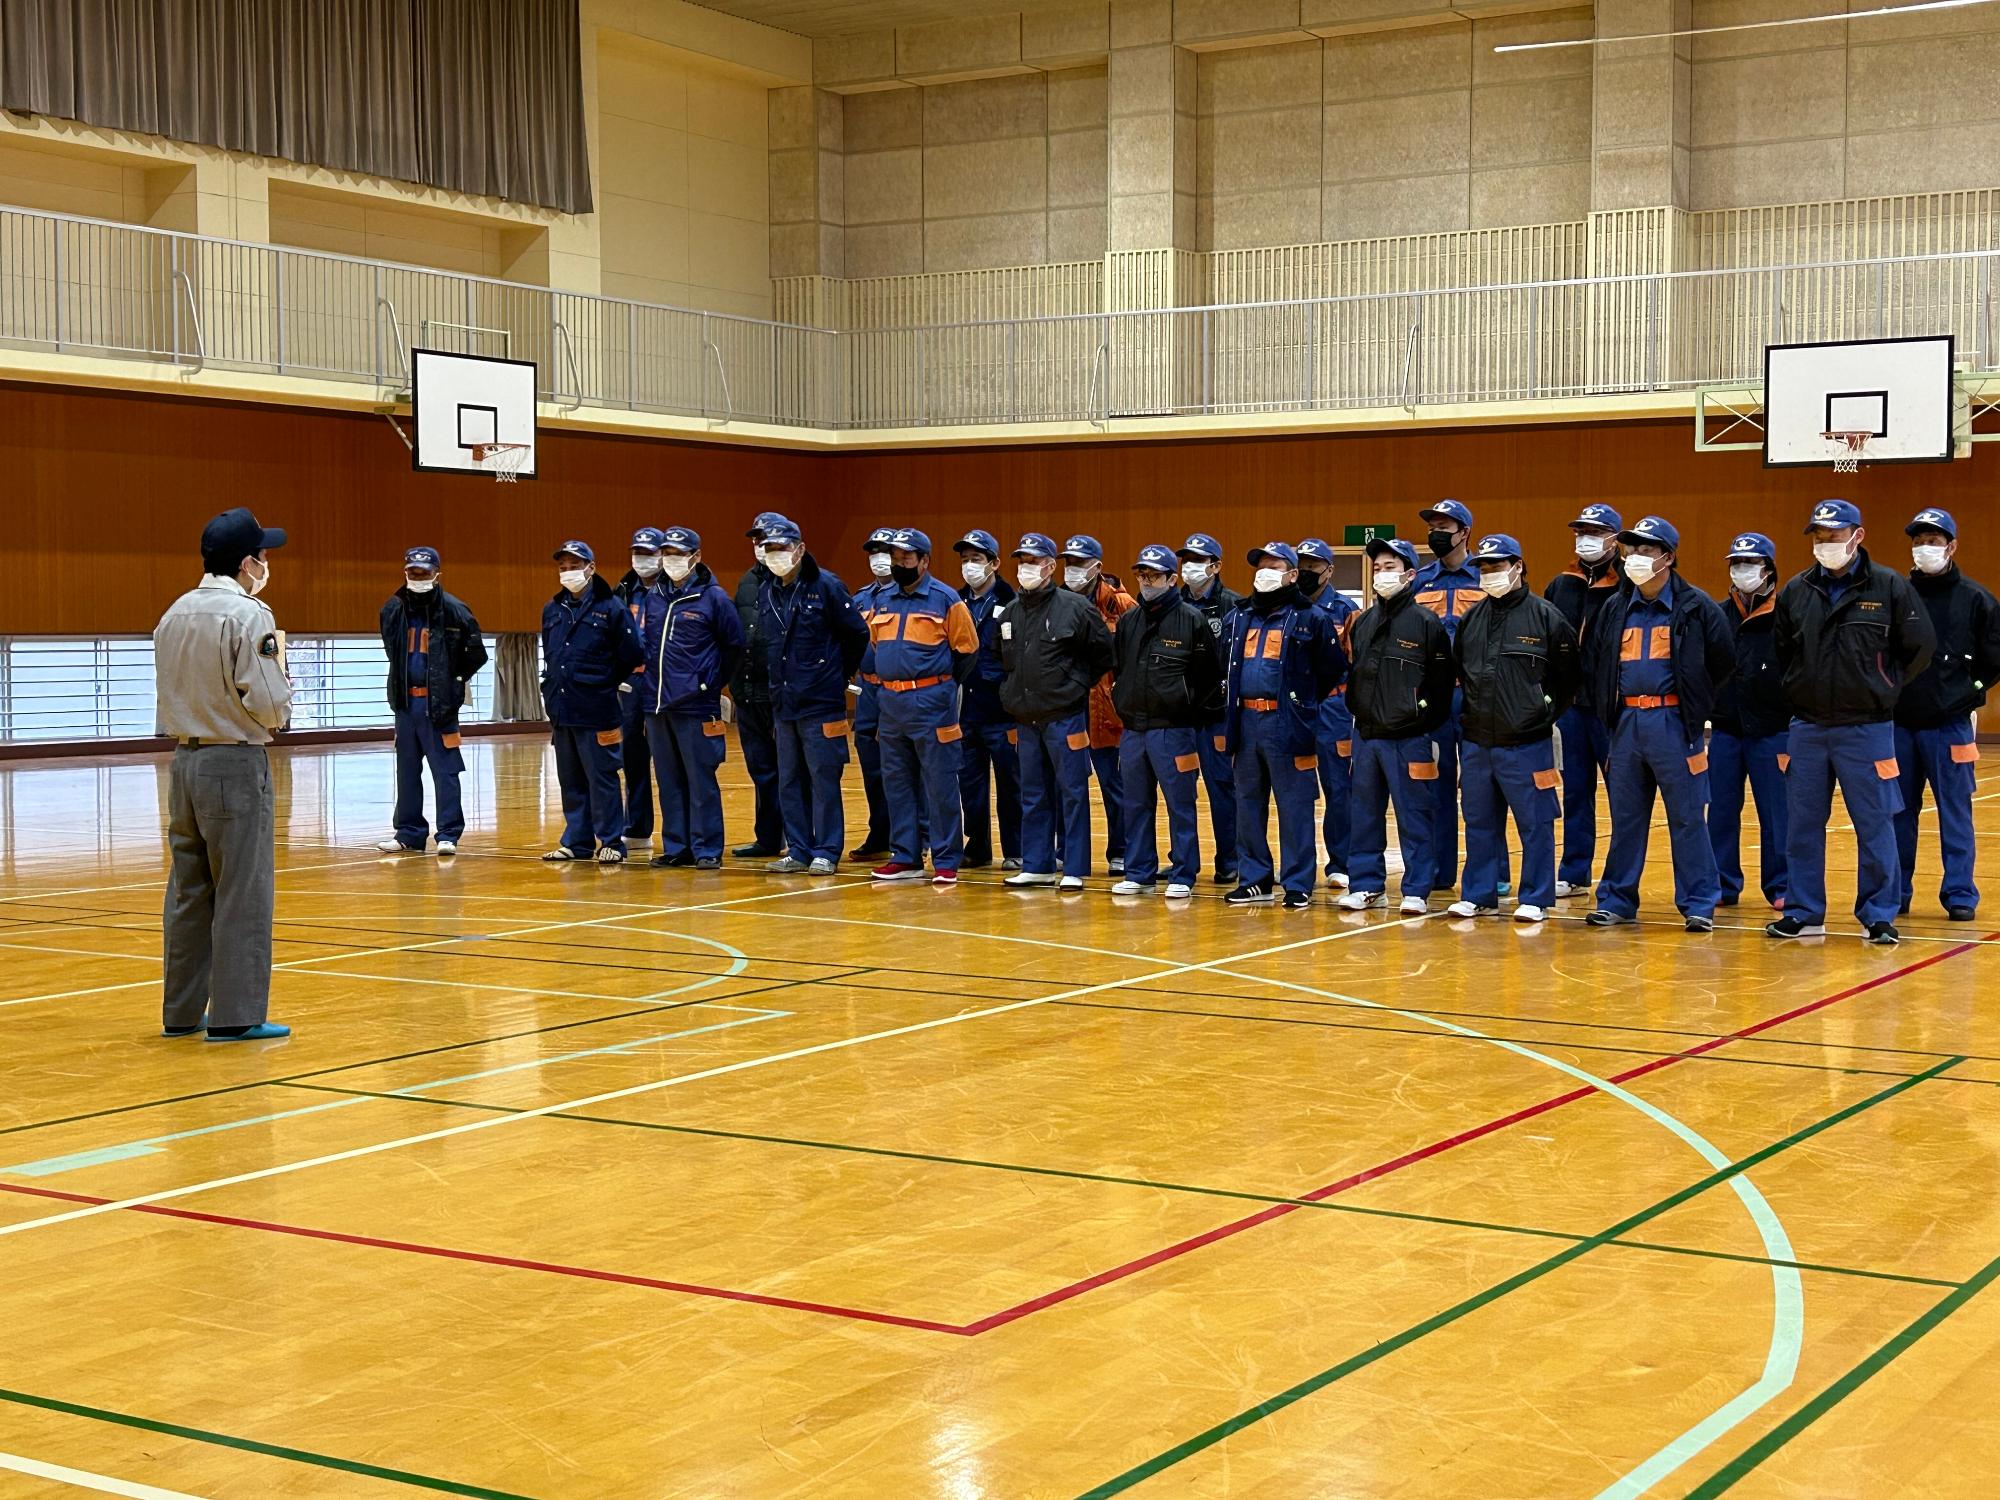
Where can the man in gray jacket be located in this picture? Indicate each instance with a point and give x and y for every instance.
(219, 657)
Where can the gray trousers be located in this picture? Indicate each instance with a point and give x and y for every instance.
(221, 825)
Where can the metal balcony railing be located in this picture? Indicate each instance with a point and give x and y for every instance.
(84, 286)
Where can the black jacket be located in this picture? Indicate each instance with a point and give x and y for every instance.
(1053, 645)
(752, 682)
(1751, 704)
(1966, 622)
(1216, 608)
(1517, 660)
(1703, 656)
(1580, 592)
(1846, 662)
(1403, 673)
(456, 652)
(1166, 674)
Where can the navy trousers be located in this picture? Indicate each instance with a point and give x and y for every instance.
(920, 769)
(1218, 777)
(587, 765)
(1861, 760)
(1499, 779)
(1055, 795)
(421, 743)
(1266, 770)
(757, 734)
(1336, 770)
(989, 780)
(636, 761)
(811, 756)
(1944, 757)
(1732, 759)
(688, 749)
(1650, 752)
(1586, 747)
(1160, 764)
(1403, 772)
(1111, 785)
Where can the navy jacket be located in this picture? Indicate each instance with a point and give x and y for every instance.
(456, 650)
(814, 640)
(1517, 664)
(981, 703)
(1966, 621)
(1845, 660)
(752, 682)
(1313, 664)
(1403, 673)
(1751, 704)
(589, 647)
(693, 642)
(1579, 592)
(1704, 657)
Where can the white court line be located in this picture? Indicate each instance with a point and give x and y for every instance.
(82, 1479)
(140, 885)
(150, 958)
(497, 1121)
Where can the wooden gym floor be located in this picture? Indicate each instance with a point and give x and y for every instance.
(581, 1182)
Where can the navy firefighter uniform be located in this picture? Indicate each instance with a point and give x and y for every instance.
(1749, 728)
(635, 760)
(694, 643)
(1449, 592)
(1336, 723)
(1934, 739)
(1652, 664)
(924, 645)
(989, 767)
(1579, 591)
(1201, 581)
(867, 705)
(1517, 664)
(589, 648)
(1849, 635)
(1284, 658)
(434, 649)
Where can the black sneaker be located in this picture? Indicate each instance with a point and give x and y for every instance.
(1225, 877)
(708, 862)
(1603, 918)
(682, 861)
(1793, 927)
(1700, 924)
(976, 864)
(754, 851)
(1115, 866)
(1884, 935)
(1962, 913)
(1297, 900)
(867, 854)
(1258, 894)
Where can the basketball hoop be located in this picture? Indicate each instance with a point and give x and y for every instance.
(1856, 444)
(504, 460)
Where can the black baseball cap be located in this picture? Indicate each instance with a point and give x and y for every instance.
(233, 536)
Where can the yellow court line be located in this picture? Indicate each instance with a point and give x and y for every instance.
(495, 1122)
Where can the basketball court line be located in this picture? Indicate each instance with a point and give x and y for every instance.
(141, 885)
(82, 1479)
(1383, 1348)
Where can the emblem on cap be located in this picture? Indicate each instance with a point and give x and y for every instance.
(1488, 545)
(1744, 544)
(1824, 513)
(1929, 515)
(1272, 547)
(1592, 512)
(1645, 525)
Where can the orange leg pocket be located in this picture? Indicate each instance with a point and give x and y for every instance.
(450, 741)
(1422, 770)
(1784, 763)
(1186, 762)
(837, 730)
(1345, 747)
(1964, 755)
(1697, 763)
(1222, 744)
(949, 732)
(610, 736)
(1305, 762)
(1888, 770)
(1548, 781)
(714, 727)
(1079, 741)
(1013, 736)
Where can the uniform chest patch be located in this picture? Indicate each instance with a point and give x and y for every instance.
(1527, 640)
(268, 646)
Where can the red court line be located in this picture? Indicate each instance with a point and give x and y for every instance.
(1074, 1289)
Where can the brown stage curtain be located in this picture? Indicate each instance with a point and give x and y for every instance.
(478, 96)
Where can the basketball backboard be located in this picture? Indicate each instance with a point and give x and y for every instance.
(464, 406)
(1892, 397)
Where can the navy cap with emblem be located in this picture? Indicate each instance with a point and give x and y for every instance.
(1834, 513)
(1387, 546)
(881, 539)
(766, 519)
(1086, 547)
(1497, 545)
(1202, 545)
(1158, 558)
(976, 540)
(909, 539)
(1655, 529)
(781, 529)
(1598, 515)
(1450, 510)
(1753, 546)
(680, 539)
(1036, 544)
(423, 557)
(1278, 551)
(1317, 549)
(646, 539)
(576, 549)
(1930, 518)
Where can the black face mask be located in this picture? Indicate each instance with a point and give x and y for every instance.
(1309, 582)
(905, 576)
(1442, 542)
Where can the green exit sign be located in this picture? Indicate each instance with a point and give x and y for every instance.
(1361, 536)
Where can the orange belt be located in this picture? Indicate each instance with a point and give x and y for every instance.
(420, 692)
(911, 687)
(870, 677)
(1672, 700)
(1261, 705)
(1339, 692)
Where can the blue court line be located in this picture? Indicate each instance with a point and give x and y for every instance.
(51, 1166)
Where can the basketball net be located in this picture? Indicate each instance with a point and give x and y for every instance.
(504, 460)
(1855, 445)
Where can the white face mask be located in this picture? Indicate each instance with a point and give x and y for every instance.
(880, 564)
(1075, 578)
(1499, 583)
(1032, 575)
(573, 579)
(646, 564)
(1268, 580)
(1748, 578)
(1389, 585)
(1932, 559)
(975, 573)
(780, 560)
(1833, 556)
(677, 568)
(420, 585)
(1640, 568)
(1592, 548)
(263, 577)
(1195, 574)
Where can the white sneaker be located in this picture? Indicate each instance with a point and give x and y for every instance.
(1468, 909)
(1360, 900)
(1527, 913)
(1337, 881)
(446, 849)
(1031, 877)
(609, 856)
(1070, 883)
(396, 846)
(822, 866)
(1414, 906)
(1568, 888)
(1178, 892)
(1133, 888)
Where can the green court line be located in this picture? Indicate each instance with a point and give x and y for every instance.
(1188, 1447)
(1323, 1205)
(252, 1445)
(1867, 1369)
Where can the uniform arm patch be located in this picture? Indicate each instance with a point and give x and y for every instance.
(268, 646)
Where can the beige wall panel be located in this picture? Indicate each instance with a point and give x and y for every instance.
(1065, 32)
(643, 160)
(885, 187)
(1932, 81)
(1076, 169)
(1257, 78)
(1780, 96)
(884, 249)
(1077, 98)
(1554, 193)
(997, 177)
(728, 177)
(958, 46)
(1489, 66)
(1219, 20)
(986, 240)
(985, 109)
(1285, 216)
(639, 237)
(1531, 124)
(728, 254)
(1772, 172)
(1920, 161)
(1141, 23)
(1414, 60)
(1394, 206)
(883, 119)
(1078, 233)
(794, 177)
(1244, 153)
(1418, 133)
